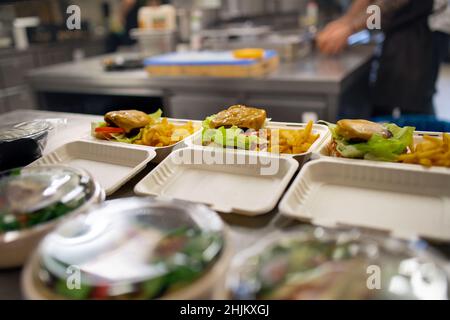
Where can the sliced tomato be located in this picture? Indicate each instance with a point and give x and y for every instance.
(100, 292)
(109, 130)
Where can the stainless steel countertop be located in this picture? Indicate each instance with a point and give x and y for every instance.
(313, 74)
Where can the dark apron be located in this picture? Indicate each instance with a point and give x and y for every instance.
(404, 69)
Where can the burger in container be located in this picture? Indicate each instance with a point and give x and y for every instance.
(34, 200)
(320, 264)
(134, 248)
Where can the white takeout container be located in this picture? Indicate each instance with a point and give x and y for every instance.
(112, 165)
(161, 152)
(323, 140)
(216, 178)
(406, 201)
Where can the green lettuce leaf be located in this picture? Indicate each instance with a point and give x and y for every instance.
(233, 137)
(124, 139)
(156, 116)
(208, 134)
(377, 148)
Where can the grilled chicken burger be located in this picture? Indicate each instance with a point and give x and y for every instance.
(241, 117)
(124, 125)
(235, 127)
(127, 120)
(362, 139)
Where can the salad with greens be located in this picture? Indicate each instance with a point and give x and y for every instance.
(180, 258)
(296, 270)
(322, 264)
(129, 249)
(34, 196)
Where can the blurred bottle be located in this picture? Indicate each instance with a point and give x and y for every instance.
(157, 18)
(196, 28)
(310, 19)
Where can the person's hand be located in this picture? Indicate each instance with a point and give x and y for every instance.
(333, 39)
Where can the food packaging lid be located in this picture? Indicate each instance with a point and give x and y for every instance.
(136, 248)
(23, 130)
(318, 263)
(31, 196)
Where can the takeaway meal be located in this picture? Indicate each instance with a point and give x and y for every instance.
(246, 128)
(129, 249)
(432, 151)
(137, 127)
(161, 248)
(322, 264)
(362, 139)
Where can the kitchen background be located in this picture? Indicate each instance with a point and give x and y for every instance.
(43, 65)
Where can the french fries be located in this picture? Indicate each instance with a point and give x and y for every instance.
(431, 152)
(164, 134)
(289, 141)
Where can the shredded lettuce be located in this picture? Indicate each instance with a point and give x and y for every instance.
(377, 148)
(125, 139)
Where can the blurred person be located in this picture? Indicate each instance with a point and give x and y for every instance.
(440, 26)
(404, 62)
(128, 18)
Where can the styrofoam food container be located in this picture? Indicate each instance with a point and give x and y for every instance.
(112, 165)
(322, 152)
(120, 246)
(250, 187)
(404, 201)
(322, 130)
(161, 152)
(316, 263)
(16, 246)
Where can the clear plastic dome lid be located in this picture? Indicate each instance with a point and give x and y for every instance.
(35, 195)
(23, 130)
(133, 248)
(320, 264)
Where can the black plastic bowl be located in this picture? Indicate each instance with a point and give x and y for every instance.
(23, 147)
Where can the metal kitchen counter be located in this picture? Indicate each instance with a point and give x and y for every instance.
(313, 83)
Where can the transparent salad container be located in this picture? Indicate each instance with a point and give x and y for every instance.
(135, 248)
(34, 200)
(320, 264)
